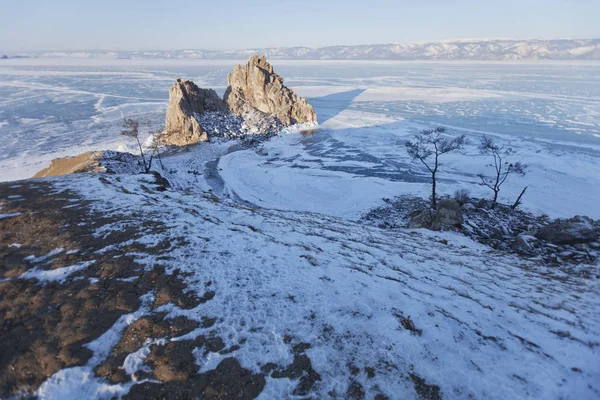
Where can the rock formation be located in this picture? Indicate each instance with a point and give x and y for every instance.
(448, 216)
(255, 85)
(186, 102)
(575, 230)
(255, 95)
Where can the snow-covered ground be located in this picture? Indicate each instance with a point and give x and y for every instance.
(550, 113)
(484, 324)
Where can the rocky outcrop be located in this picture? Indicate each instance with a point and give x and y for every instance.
(448, 216)
(186, 102)
(569, 231)
(86, 162)
(255, 85)
(255, 96)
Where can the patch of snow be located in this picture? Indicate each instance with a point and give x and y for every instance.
(135, 361)
(10, 215)
(55, 275)
(35, 260)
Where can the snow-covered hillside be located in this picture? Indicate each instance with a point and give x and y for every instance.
(355, 311)
(527, 49)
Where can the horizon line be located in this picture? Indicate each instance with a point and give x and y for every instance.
(17, 52)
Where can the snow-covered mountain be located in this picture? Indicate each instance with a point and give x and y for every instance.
(529, 49)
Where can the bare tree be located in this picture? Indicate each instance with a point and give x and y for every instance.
(517, 203)
(502, 167)
(157, 139)
(131, 129)
(428, 146)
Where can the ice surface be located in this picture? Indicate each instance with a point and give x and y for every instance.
(549, 112)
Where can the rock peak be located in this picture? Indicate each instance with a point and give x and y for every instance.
(255, 95)
(186, 101)
(255, 85)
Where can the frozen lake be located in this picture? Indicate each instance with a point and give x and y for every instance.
(549, 112)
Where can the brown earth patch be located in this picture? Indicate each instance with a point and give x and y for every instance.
(45, 325)
(228, 381)
(70, 165)
(424, 390)
(300, 369)
(153, 326)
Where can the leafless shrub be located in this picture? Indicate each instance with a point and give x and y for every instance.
(462, 196)
(501, 167)
(427, 146)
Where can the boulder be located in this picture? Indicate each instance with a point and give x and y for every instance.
(449, 213)
(186, 102)
(578, 229)
(255, 85)
(522, 243)
(448, 216)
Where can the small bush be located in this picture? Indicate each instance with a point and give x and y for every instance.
(462, 196)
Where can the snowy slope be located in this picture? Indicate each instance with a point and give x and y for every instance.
(527, 49)
(487, 325)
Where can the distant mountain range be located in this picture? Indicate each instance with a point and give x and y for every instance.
(493, 50)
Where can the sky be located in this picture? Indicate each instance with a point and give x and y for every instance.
(32, 25)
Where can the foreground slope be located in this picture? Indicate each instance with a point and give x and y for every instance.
(111, 285)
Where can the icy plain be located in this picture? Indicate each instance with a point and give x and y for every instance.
(548, 112)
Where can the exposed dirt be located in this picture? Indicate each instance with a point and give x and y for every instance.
(228, 381)
(424, 390)
(45, 325)
(135, 336)
(69, 165)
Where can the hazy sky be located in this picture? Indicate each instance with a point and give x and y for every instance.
(233, 24)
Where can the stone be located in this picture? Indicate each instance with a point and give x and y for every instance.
(581, 247)
(522, 244)
(468, 207)
(186, 102)
(422, 219)
(448, 216)
(449, 213)
(578, 229)
(256, 86)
